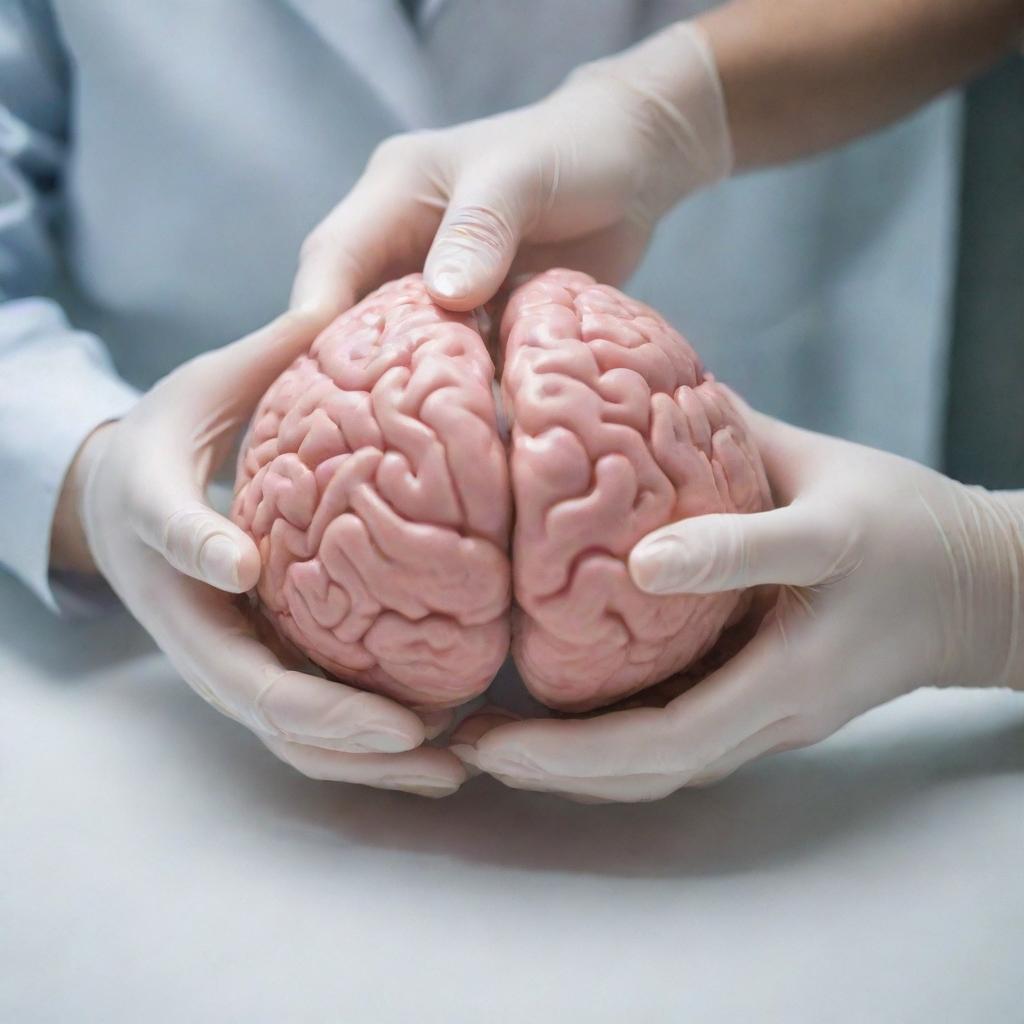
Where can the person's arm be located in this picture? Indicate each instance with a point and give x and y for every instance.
(580, 178)
(801, 76)
(56, 384)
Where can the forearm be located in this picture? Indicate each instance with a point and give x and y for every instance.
(801, 76)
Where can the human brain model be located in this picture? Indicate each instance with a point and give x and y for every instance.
(415, 521)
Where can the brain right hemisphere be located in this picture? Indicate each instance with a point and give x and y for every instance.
(379, 489)
(617, 431)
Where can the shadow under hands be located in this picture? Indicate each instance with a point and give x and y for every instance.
(780, 809)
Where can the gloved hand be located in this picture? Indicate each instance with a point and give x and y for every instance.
(577, 179)
(890, 577)
(138, 490)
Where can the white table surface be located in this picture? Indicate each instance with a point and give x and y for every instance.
(157, 864)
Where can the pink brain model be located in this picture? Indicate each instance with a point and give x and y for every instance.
(379, 481)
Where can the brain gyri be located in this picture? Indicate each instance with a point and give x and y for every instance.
(415, 522)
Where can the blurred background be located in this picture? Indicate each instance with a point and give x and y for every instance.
(984, 439)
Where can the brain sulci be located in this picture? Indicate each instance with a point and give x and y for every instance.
(417, 520)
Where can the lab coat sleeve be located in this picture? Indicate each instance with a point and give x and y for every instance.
(56, 384)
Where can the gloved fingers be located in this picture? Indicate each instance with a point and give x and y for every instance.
(212, 643)
(800, 545)
(639, 788)
(424, 771)
(216, 391)
(777, 736)
(774, 738)
(472, 729)
(380, 230)
(194, 539)
(697, 728)
(476, 242)
(535, 752)
(188, 417)
(600, 789)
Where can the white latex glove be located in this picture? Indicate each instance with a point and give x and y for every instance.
(577, 179)
(891, 577)
(139, 488)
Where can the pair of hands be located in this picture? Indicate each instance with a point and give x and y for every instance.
(890, 576)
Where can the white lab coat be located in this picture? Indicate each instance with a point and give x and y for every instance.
(160, 164)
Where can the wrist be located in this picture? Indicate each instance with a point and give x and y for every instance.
(69, 546)
(984, 636)
(669, 85)
(1009, 514)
